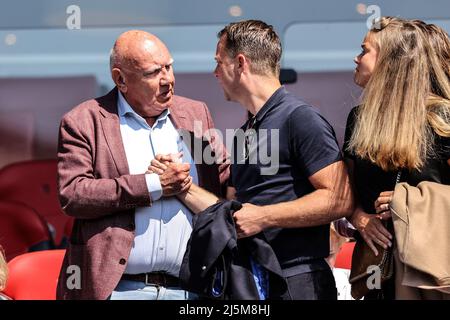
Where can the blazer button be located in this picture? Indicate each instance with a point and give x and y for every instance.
(122, 261)
(203, 267)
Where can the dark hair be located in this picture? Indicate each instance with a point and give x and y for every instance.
(256, 40)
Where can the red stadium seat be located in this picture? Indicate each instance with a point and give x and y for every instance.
(34, 276)
(33, 183)
(344, 257)
(22, 230)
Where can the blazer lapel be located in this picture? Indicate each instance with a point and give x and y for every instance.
(111, 130)
(179, 119)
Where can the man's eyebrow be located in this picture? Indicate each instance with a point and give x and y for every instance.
(157, 68)
(152, 70)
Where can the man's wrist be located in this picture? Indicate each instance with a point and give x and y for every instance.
(267, 217)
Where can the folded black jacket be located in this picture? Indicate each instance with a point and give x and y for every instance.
(216, 265)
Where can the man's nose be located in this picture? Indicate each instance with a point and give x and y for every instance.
(166, 76)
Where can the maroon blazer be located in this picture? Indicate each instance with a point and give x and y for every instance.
(96, 188)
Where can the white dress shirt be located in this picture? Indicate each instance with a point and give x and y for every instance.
(162, 230)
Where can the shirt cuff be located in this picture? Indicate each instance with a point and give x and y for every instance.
(153, 186)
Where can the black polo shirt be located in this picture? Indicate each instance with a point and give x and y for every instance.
(306, 144)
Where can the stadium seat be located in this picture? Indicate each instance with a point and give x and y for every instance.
(344, 257)
(22, 230)
(34, 276)
(33, 183)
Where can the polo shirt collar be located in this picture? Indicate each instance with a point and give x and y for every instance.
(271, 103)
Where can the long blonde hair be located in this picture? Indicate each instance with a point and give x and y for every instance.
(438, 103)
(405, 98)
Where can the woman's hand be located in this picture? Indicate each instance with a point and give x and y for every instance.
(382, 203)
(371, 229)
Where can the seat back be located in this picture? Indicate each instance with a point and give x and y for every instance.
(22, 230)
(344, 257)
(34, 275)
(33, 183)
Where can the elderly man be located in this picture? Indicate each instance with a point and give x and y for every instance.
(292, 199)
(131, 230)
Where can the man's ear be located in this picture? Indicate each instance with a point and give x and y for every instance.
(119, 79)
(242, 63)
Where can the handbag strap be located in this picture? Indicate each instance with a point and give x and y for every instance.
(386, 224)
(399, 176)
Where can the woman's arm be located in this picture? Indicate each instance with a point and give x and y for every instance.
(370, 226)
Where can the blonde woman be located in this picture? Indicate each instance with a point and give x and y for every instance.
(402, 125)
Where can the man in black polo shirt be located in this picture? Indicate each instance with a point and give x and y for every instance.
(286, 168)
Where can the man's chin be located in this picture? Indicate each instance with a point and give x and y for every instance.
(157, 108)
(166, 101)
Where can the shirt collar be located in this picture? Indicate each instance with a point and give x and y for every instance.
(123, 106)
(272, 102)
(125, 109)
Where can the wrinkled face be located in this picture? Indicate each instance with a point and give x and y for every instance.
(225, 71)
(365, 61)
(149, 80)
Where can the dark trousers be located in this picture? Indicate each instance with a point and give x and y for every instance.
(314, 285)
